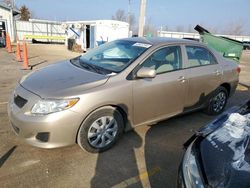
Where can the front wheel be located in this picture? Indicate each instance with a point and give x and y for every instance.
(217, 102)
(100, 130)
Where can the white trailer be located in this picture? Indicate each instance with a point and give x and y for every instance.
(90, 34)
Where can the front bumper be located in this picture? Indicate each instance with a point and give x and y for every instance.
(47, 131)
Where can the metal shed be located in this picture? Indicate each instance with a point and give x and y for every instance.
(8, 15)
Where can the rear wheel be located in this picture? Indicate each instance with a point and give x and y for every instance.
(217, 102)
(100, 130)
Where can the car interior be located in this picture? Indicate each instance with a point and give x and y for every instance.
(197, 56)
(165, 60)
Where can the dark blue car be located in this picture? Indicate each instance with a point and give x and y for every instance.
(218, 155)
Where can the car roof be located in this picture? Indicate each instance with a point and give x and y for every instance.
(161, 40)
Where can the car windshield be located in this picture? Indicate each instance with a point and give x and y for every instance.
(114, 56)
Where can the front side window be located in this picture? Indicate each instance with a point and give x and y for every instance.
(165, 60)
(198, 56)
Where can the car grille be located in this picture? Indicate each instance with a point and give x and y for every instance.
(19, 101)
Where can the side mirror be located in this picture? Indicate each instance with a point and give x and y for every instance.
(146, 72)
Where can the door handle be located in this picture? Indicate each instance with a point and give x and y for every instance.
(181, 79)
(217, 72)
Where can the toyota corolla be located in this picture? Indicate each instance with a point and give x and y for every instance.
(92, 99)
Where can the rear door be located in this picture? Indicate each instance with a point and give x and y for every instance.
(203, 73)
(162, 96)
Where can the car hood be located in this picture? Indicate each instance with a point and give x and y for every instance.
(225, 152)
(61, 79)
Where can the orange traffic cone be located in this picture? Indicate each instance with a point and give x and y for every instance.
(9, 47)
(18, 51)
(25, 55)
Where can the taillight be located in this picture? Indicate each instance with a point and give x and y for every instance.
(238, 70)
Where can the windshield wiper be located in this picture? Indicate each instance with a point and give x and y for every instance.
(89, 67)
(94, 68)
(84, 65)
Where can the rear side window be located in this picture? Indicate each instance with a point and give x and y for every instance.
(198, 56)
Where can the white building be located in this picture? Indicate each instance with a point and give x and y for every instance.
(7, 19)
(90, 34)
(180, 35)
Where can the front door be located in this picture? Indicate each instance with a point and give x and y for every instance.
(162, 96)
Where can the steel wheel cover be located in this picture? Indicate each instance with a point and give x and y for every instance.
(102, 132)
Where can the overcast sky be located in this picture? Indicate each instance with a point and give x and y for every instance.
(218, 14)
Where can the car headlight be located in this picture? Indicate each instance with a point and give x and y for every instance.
(44, 107)
(191, 173)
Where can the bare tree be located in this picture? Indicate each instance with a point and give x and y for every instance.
(120, 15)
(25, 13)
(212, 29)
(179, 28)
(236, 28)
(132, 21)
(165, 28)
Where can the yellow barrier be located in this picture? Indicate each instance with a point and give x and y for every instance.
(44, 37)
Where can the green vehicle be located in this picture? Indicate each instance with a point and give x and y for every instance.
(229, 48)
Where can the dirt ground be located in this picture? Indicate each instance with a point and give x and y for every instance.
(146, 157)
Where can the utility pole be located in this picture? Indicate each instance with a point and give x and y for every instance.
(129, 14)
(13, 34)
(142, 18)
(129, 19)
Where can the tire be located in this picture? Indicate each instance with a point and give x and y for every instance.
(100, 130)
(217, 102)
